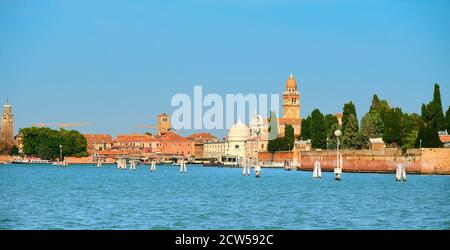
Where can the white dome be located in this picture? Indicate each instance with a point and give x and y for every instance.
(238, 132)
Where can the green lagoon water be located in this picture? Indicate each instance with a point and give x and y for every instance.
(86, 197)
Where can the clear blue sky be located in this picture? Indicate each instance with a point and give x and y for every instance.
(118, 63)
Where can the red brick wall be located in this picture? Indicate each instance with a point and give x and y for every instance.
(425, 161)
(86, 160)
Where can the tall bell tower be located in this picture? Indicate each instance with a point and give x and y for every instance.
(7, 129)
(291, 99)
(291, 108)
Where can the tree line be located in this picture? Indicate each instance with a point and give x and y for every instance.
(44, 142)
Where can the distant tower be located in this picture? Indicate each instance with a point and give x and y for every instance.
(7, 129)
(163, 123)
(291, 106)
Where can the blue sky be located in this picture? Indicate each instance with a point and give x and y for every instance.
(118, 63)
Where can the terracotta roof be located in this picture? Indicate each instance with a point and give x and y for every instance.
(98, 138)
(171, 136)
(445, 138)
(135, 138)
(202, 135)
(119, 152)
(291, 121)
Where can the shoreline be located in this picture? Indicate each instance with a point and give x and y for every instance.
(306, 169)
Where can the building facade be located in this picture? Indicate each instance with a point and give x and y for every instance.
(173, 145)
(7, 126)
(199, 140)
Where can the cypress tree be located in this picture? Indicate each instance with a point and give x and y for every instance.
(447, 119)
(351, 137)
(411, 124)
(330, 120)
(317, 130)
(432, 113)
(375, 103)
(349, 109)
(371, 127)
(392, 127)
(305, 133)
(289, 136)
(429, 137)
(437, 109)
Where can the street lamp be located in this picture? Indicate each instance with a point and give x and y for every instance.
(338, 169)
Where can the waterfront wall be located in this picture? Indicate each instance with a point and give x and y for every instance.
(87, 160)
(420, 161)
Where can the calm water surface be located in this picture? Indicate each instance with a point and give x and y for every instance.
(86, 197)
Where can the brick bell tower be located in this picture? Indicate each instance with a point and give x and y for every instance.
(291, 99)
(7, 126)
(163, 123)
(291, 106)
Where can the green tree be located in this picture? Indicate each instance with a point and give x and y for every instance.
(289, 137)
(411, 124)
(447, 119)
(305, 133)
(44, 142)
(428, 137)
(332, 140)
(351, 138)
(283, 143)
(372, 126)
(349, 109)
(432, 113)
(330, 120)
(317, 130)
(376, 105)
(15, 150)
(392, 127)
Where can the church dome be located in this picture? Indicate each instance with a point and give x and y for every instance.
(291, 84)
(238, 132)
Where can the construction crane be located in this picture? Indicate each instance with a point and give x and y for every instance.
(61, 125)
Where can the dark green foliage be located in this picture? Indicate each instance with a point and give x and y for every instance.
(306, 124)
(375, 104)
(332, 140)
(15, 150)
(432, 113)
(392, 127)
(429, 137)
(285, 143)
(330, 120)
(318, 132)
(447, 120)
(351, 138)
(349, 109)
(44, 142)
(372, 126)
(411, 124)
